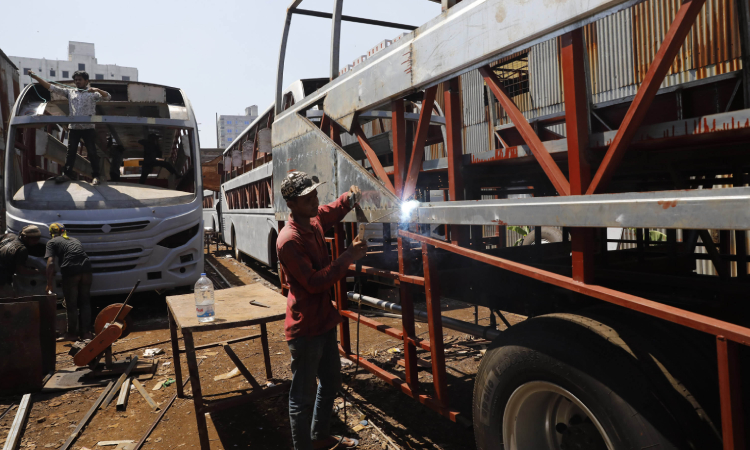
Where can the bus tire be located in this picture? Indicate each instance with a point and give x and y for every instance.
(574, 374)
(549, 235)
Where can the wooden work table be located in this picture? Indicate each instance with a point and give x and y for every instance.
(233, 309)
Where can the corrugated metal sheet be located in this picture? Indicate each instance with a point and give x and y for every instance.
(545, 79)
(472, 98)
(476, 138)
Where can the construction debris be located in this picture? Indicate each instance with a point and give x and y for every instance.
(151, 352)
(233, 373)
(77, 432)
(121, 380)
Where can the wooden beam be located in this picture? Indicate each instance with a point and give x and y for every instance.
(372, 157)
(673, 40)
(122, 400)
(154, 406)
(417, 153)
(549, 166)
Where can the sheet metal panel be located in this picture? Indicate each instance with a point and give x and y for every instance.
(476, 138)
(315, 153)
(472, 98)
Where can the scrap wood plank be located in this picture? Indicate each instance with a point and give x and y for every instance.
(144, 394)
(122, 400)
(19, 423)
(120, 380)
(77, 432)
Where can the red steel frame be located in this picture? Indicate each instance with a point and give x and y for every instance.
(728, 335)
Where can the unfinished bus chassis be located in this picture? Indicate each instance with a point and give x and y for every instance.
(570, 276)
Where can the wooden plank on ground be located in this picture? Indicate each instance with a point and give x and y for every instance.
(122, 400)
(144, 394)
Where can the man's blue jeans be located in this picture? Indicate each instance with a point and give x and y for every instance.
(310, 411)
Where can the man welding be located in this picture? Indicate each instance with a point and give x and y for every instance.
(81, 102)
(311, 318)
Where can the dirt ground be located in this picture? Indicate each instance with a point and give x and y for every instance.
(392, 419)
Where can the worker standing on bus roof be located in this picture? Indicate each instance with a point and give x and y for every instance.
(14, 251)
(81, 102)
(152, 151)
(311, 319)
(75, 268)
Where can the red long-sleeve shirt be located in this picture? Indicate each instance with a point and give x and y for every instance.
(311, 274)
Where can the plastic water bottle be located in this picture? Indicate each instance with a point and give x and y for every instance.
(204, 299)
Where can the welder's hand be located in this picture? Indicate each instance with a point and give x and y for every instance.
(355, 195)
(31, 73)
(358, 249)
(92, 89)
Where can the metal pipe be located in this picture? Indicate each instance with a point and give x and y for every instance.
(336, 37)
(448, 322)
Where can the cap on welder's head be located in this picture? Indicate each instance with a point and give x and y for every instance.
(296, 184)
(31, 231)
(58, 229)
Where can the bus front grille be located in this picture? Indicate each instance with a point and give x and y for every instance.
(79, 228)
(112, 269)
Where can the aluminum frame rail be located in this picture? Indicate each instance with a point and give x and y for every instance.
(725, 209)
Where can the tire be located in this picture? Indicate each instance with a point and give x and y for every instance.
(549, 235)
(568, 381)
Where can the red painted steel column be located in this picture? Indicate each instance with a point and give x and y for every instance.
(407, 323)
(731, 395)
(577, 127)
(417, 152)
(435, 322)
(340, 289)
(398, 122)
(459, 235)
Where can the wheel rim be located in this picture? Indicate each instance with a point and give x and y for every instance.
(542, 415)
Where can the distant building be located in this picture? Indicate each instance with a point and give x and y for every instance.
(81, 56)
(230, 127)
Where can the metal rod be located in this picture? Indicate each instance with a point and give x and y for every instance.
(16, 429)
(217, 271)
(380, 23)
(453, 324)
(125, 302)
(77, 432)
(163, 411)
(8, 410)
(338, 5)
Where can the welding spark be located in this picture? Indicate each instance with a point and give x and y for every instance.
(407, 208)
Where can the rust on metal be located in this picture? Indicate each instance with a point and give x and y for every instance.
(730, 393)
(417, 152)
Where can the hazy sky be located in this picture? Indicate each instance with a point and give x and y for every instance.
(222, 53)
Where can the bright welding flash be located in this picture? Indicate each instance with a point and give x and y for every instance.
(407, 208)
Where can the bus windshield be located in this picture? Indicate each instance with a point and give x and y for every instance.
(144, 143)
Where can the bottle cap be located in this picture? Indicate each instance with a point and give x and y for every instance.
(203, 274)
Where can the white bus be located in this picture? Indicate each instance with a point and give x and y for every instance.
(247, 215)
(150, 232)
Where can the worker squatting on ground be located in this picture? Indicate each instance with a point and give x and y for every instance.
(14, 251)
(82, 102)
(75, 268)
(311, 319)
(152, 151)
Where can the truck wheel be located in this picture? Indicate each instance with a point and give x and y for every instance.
(564, 381)
(549, 235)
